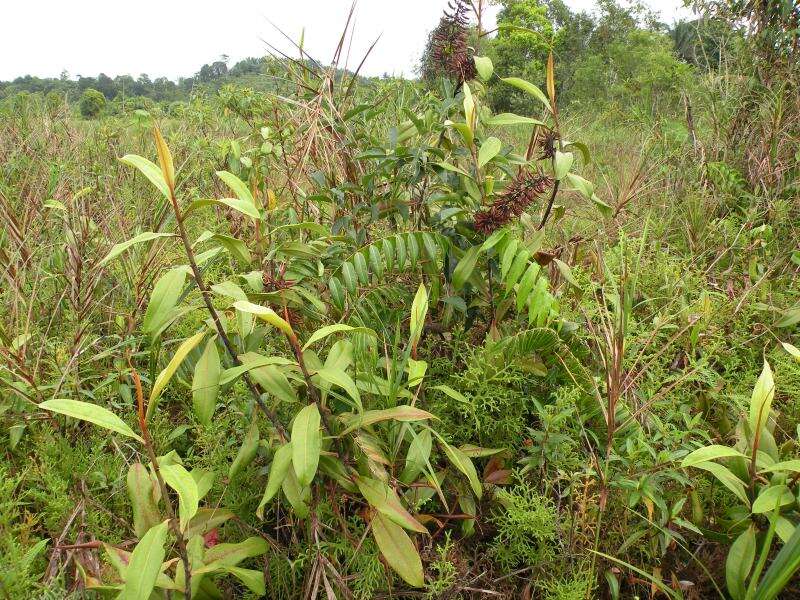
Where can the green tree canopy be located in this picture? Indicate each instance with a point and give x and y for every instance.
(92, 103)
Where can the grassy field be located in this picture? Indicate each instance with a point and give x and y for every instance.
(331, 336)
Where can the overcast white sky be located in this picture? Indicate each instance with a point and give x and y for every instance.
(174, 38)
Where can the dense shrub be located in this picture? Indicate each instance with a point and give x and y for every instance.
(92, 103)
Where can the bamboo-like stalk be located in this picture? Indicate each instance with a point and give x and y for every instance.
(148, 444)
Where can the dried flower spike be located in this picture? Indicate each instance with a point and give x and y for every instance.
(450, 51)
(514, 200)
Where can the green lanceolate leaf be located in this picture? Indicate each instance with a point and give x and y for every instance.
(141, 491)
(163, 300)
(384, 499)
(562, 163)
(585, 187)
(238, 186)
(145, 564)
(419, 309)
(529, 89)
(180, 480)
(207, 519)
(229, 555)
(324, 332)
(398, 550)
(205, 384)
(772, 497)
(489, 149)
(149, 170)
(505, 119)
(91, 413)
(791, 349)
(740, 562)
(418, 456)
(463, 463)
(792, 466)
(252, 579)
(118, 249)
(265, 314)
(761, 400)
(484, 66)
(713, 452)
(604, 208)
(337, 292)
(281, 463)
(164, 158)
(237, 204)
(164, 377)
(402, 413)
(272, 379)
(340, 378)
(781, 570)
(465, 267)
(247, 452)
(296, 495)
(726, 478)
(306, 444)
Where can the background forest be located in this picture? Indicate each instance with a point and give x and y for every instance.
(525, 326)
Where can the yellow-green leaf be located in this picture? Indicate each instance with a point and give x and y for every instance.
(772, 497)
(419, 309)
(247, 452)
(238, 186)
(562, 163)
(761, 400)
(551, 79)
(528, 88)
(324, 332)
(164, 158)
(252, 579)
(295, 495)
(402, 413)
(384, 499)
(340, 378)
(277, 473)
(484, 66)
(510, 119)
(465, 267)
(91, 413)
(163, 300)
(180, 480)
(265, 314)
(712, 452)
(228, 555)
(237, 204)
(205, 383)
(463, 463)
(145, 564)
(726, 478)
(489, 149)
(740, 562)
(398, 550)
(149, 170)
(118, 249)
(306, 444)
(141, 488)
(163, 378)
(793, 350)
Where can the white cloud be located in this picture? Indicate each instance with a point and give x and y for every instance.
(174, 38)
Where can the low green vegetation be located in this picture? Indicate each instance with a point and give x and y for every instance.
(524, 327)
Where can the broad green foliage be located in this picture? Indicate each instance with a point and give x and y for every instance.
(520, 47)
(527, 328)
(92, 103)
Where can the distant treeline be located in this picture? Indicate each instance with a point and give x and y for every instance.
(211, 75)
(615, 53)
